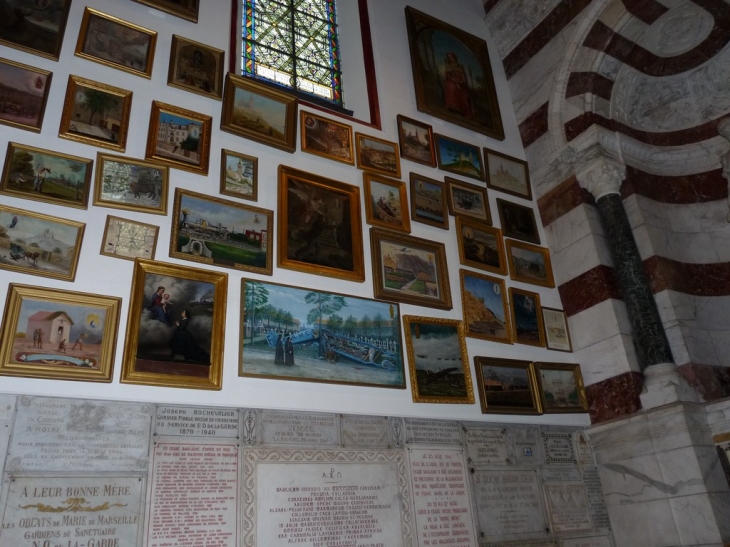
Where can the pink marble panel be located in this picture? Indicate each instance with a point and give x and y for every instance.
(615, 397)
(711, 383)
(534, 126)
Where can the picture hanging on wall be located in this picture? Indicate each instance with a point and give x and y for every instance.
(187, 9)
(377, 155)
(458, 157)
(128, 239)
(428, 201)
(196, 67)
(37, 29)
(293, 333)
(452, 74)
(326, 138)
(175, 326)
(468, 200)
(58, 334)
(386, 203)
(518, 221)
(416, 141)
(134, 185)
(485, 311)
(557, 335)
(561, 388)
(526, 317)
(529, 264)
(506, 386)
(23, 94)
(239, 175)
(480, 246)
(507, 174)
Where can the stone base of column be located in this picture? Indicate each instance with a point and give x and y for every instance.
(664, 385)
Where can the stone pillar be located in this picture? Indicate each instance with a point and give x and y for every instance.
(724, 129)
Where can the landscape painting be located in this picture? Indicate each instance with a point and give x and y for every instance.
(23, 95)
(377, 155)
(136, 185)
(459, 157)
(480, 246)
(561, 388)
(484, 303)
(239, 175)
(428, 201)
(292, 333)
(416, 141)
(35, 26)
(506, 386)
(526, 317)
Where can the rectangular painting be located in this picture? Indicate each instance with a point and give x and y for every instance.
(557, 335)
(23, 95)
(526, 317)
(326, 138)
(239, 175)
(292, 333)
(217, 231)
(134, 185)
(459, 157)
(186, 9)
(127, 239)
(35, 26)
(506, 386)
(561, 388)
(468, 200)
(518, 221)
(437, 360)
(416, 141)
(485, 311)
(507, 174)
(386, 203)
(428, 201)
(57, 334)
(377, 155)
(529, 264)
(196, 67)
(175, 326)
(179, 138)
(480, 246)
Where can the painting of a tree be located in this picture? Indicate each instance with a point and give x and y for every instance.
(257, 295)
(96, 101)
(325, 304)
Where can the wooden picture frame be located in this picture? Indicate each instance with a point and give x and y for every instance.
(416, 141)
(112, 104)
(258, 112)
(557, 334)
(506, 386)
(526, 317)
(327, 138)
(134, 46)
(529, 264)
(429, 201)
(365, 349)
(179, 138)
(386, 203)
(396, 256)
(319, 226)
(175, 341)
(128, 239)
(484, 305)
(220, 232)
(37, 30)
(58, 334)
(130, 184)
(518, 221)
(452, 74)
(43, 175)
(561, 388)
(24, 94)
(196, 67)
(377, 155)
(38, 244)
(507, 174)
(458, 157)
(185, 9)
(468, 200)
(239, 175)
(480, 246)
(437, 360)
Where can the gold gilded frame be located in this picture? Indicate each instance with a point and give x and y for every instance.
(178, 42)
(185, 9)
(303, 115)
(415, 178)
(468, 308)
(391, 172)
(398, 187)
(105, 243)
(517, 273)
(101, 201)
(498, 392)
(572, 370)
(463, 225)
(456, 210)
(225, 190)
(41, 74)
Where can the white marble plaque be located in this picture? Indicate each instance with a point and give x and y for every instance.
(65, 434)
(509, 503)
(282, 427)
(594, 489)
(583, 452)
(527, 445)
(441, 498)
(369, 431)
(598, 541)
(194, 495)
(487, 446)
(7, 406)
(432, 432)
(527, 543)
(558, 448)
(568, 507)
(560, 474)
(196, 421)
(321, 499)
(54, 511)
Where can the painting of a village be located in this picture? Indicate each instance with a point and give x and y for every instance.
(485, 312)
(259, 114)
(377, 155)
(179, 138)
(409, 270)
(300, 334)
(22, 95)
(415, 141)
(239, 175)
(508, 174)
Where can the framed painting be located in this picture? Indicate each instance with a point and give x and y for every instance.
(186, 9)
(179, 138)
(409, 269)
(557, 335)
(468, 200)
(128, 239)
(57, 334)
(326, 138)
(221, 232)
(95, 114)
(43, 175)
(258, 112)
(529, 264)
(23, 94)
(526, 317)
(386, 203)
(437, 360)
(561, 388)
(484, 305)
(293, 333)
(116, 43)
(459, 157)
(134, 185)
(239, 175)
(452, 75)
(377, 155)
(175, 326)
(38, 244)
(319, 227)
(34, 28)
(416, 141)
(518, 221)
(480, 246)
(507, 174)
(428, 201)
(506, 386)
(196, 67)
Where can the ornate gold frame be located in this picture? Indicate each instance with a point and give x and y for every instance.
(444, 225)
(178, 42)
(254, 196)
(462, 224)
(102, 159)
(303, 115)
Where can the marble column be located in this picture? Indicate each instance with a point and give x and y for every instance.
(724, 129)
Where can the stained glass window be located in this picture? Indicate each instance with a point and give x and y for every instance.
(293, 43)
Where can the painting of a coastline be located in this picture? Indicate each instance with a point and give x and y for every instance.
(23, 95)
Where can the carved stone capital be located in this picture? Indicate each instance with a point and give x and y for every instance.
(602, 177)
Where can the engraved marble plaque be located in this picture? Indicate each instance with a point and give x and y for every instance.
(369, 431)
(526, 543)
(65, 434)
(441, 497)
(599, 513)
(7, 406)
(598, 541)
(560, 474)
(85, 511)
(196, 421)
(527, 445)
(487, 446)
(432, 432)
(509, 503)
(583, 452)
(568, 507)
(300, 428)
(558, 448)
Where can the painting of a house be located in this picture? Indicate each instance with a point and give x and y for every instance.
(55, 326)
